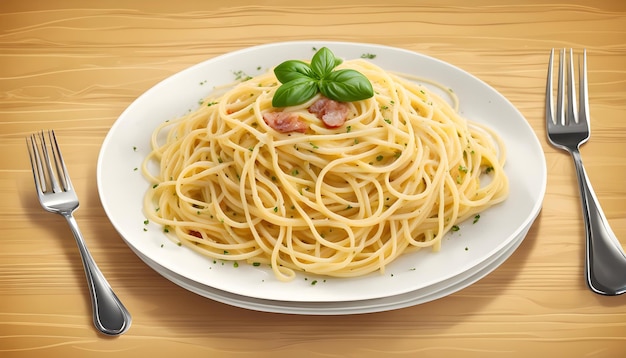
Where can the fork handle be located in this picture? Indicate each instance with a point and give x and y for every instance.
(109, 314)
(605, 269)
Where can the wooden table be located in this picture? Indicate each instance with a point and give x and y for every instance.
(74, 66)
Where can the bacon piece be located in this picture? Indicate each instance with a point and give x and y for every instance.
(331, 112)
(285, 122)
(195, 233)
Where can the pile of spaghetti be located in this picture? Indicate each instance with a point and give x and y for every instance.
(403, 170)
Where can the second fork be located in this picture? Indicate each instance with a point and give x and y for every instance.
(605, 260)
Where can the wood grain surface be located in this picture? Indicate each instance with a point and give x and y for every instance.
(74, 66)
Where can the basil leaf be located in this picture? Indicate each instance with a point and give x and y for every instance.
(301, 81)
(346, 86)
(295, 92)
(323, 62)
(291, 70)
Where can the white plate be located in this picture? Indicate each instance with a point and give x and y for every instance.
(121, 187)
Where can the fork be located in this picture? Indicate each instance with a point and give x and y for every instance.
(605, 261)
(57, 195)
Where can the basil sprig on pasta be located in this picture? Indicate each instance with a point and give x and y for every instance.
(301, 81)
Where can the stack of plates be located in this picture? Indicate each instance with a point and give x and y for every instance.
(466, 255)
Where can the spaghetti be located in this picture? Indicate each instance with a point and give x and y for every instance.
(403, 170)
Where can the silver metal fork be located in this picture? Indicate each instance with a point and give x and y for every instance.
(57, 195)
(605, 260)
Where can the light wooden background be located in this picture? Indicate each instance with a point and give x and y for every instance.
(76, 65)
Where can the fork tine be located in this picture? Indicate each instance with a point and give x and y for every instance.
(583, 95)
(54, 183)
(571, 116)
(59, 162)
(549, 89)
(35, 163)
(560, 100)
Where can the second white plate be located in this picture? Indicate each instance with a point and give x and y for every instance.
(408, 299)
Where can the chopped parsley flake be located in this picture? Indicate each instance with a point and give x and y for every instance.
(241, 75)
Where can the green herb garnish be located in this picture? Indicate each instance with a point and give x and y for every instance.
(302, 81)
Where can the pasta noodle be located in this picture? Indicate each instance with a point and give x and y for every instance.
(403, 170)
